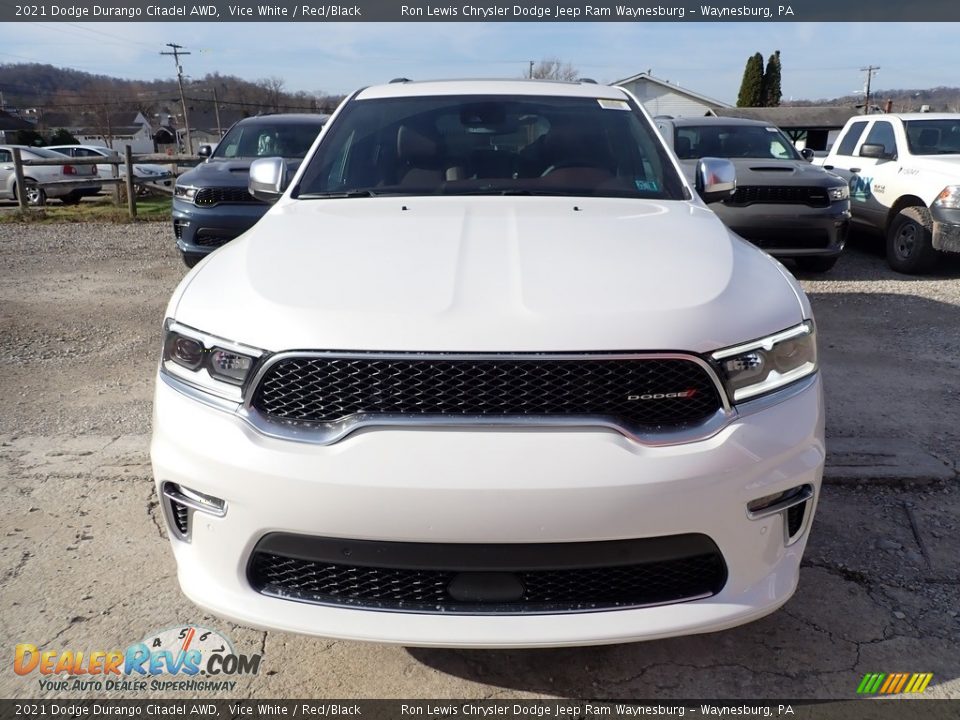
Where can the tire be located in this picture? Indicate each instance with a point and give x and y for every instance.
(817, 264)
(191, 259)
(910, 242)
(71, 199)
(36, 195)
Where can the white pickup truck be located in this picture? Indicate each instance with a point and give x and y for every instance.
(904, 175)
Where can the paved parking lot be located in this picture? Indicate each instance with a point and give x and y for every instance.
(85, 562)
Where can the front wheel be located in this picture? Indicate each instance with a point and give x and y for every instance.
(910, 242)
(817, 264)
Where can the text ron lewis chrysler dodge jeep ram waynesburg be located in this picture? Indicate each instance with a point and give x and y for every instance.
(489, 373)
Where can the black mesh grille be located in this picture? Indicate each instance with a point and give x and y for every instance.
(795, 518)
(425, 590)
(781, 194)
(214, 238)
(181, 517)
(653, 393)
(214, 195)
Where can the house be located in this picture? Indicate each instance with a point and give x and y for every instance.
(10, 125)
(116, 130)
(811, 127)
(661, 97)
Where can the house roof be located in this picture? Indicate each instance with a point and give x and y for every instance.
(647, 77)
(121, 131)
(9, 122)
(785, 116)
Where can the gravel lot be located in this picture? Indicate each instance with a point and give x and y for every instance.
(86, 565)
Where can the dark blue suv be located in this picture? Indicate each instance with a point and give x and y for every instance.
(211, 205)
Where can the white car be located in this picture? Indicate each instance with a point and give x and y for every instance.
(34, 177)
(145, 173)
(489, 373)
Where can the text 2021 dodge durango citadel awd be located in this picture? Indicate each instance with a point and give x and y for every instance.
(489, 373)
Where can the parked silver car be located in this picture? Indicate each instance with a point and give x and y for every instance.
(144, 174)
(35, 190)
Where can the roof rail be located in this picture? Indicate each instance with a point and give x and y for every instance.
(399, 80)
(590, 81)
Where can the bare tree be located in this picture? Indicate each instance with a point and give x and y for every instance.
(274, 91)
(554, 69)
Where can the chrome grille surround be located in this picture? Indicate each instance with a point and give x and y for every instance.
(327, 432)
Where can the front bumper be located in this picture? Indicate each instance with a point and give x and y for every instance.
(490, 485)
(201, 230)
(946, 228)
(790, 230)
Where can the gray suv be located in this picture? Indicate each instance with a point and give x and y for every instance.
(782, 203)
(211, 205)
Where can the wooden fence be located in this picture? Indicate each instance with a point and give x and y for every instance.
(127, 159)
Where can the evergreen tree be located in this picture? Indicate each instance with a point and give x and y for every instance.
(771, 82)
(751, 86)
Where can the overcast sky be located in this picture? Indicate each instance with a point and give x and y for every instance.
(819, 60)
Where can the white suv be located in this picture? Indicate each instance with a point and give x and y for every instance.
(489, 373)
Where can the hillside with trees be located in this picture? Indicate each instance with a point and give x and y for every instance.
(57, 97)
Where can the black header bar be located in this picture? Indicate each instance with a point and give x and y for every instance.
(324, 11)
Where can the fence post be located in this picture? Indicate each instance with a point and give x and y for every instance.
(115, 187)
(18, 175)
(131, 192)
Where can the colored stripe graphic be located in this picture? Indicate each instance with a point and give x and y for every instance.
(894, 683)
(871, 683)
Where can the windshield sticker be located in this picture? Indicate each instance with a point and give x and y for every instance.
(613, 104)
(647, 185)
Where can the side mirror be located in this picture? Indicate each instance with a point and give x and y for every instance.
(268, 179)
(869, 150)
(204, 151)
(716, 179)
(807, 154)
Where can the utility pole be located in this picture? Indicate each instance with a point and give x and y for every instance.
(183, 103)
(216, 110)
(530, 73)
(870, 70)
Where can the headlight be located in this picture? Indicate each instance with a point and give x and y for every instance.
(949, 197)
(187, 192)
(209, 363)
(769, 363)
(840, 192)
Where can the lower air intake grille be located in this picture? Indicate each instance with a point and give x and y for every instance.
(181, 517)
(638, 392)
(653, 571)
(795, 519)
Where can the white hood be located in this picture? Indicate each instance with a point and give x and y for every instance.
(488, 274)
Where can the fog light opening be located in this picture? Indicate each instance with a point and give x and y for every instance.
(793, 507)
(180, 503)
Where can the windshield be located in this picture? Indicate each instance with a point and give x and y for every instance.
(268, 139)
(489, 145)
(934, 137)
(733, 141)
(46, 153)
